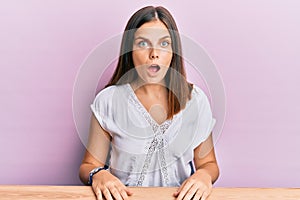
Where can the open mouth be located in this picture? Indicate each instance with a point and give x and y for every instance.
(154, 68)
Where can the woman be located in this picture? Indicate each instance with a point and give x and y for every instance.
(150, 127)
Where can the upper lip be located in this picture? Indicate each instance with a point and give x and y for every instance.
(154, 65)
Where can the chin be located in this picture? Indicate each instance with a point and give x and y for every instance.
(155, 80)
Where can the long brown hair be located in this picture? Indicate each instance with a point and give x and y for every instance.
(179, 90)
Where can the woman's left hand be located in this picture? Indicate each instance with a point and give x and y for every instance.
(198, 186)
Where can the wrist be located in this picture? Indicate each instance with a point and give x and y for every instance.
(95, 171)
(204, 173)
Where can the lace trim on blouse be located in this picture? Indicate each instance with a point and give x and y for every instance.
(156, 144)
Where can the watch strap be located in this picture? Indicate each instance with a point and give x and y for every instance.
(94, 171)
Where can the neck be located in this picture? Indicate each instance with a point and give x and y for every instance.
(149, 88)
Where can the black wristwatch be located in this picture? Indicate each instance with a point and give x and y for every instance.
(94, 171)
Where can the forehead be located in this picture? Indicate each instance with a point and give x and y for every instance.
(152, 29)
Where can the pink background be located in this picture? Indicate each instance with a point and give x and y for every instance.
(254, 44)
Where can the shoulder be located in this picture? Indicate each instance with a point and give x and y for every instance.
(107, 99)
(108, 92)
(198, 93)
(108, 96)
(199, 98)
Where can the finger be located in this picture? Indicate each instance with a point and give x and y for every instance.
(122, 189)
(123, 194)
(115, 192)
(184, 190)
(204, 195)
(128, 191)
(98, 193)
(175, 194)
(106, 193)
(199, 195)
(191, 192)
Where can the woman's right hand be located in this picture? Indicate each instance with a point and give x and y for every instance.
(107, 185)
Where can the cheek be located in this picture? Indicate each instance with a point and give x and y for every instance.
(167, 57)
(138, 57)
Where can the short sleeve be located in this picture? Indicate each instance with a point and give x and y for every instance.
(101, 107)
(206, 122)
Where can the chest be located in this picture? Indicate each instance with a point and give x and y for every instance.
(157, 107)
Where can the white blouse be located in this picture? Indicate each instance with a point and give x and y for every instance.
(144, 153)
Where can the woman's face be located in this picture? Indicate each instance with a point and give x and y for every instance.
(152, 51)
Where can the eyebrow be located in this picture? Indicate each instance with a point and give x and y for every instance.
(141, 37)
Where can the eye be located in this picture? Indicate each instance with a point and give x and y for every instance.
(143, 44)
(165, 43)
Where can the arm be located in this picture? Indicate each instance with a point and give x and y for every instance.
(200, 183)
(97, 150)
(95, 156)
(205, 159)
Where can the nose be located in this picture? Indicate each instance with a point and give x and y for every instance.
(153, 53)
